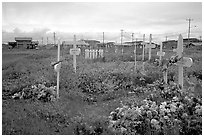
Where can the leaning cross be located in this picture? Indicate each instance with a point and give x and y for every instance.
(75, 51)
(160, 54)
(183, 62)
(57, 66)
(150, 46)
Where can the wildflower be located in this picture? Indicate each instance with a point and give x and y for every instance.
(149, 114)
(123, 129)
(184, 115)
(168, 110)
(163, 103)
(154, 121)
(173, 107)
(199, 111)
(154, 113)
(175, 98)
(166, 117)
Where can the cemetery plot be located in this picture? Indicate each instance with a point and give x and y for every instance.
(109, 97)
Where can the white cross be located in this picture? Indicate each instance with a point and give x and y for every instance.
(150, 46)
(86, 53)
(101, 53)
(96, 53)
(57, 66)
(143, 50)
(91, 53)
(184, 61)
(75, 51)
(160, 53)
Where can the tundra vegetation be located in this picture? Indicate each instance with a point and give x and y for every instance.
(106, 96)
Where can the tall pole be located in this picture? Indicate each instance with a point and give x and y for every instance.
(54, 38)
(42, 40)
(103, 39)
(122, 40)
(143, 49)
(166, 38)
(74, 56)
(58, 73)
(47, 40)
(189, 28)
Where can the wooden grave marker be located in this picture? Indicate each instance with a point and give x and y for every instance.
(135, 52)
(183, 61)
(57, 67)
(143, 50)
(86, 53)
(74, 51)
(100, 53)
(150, 46)
(160, 54)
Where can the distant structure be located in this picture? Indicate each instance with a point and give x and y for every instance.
(169, 44)
(23, 42)
(69, 44)
(92, 43)
(172, 44)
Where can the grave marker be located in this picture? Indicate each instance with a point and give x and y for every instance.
(75, 51)
(150, 46)
(183, 61)
(135, 51)
(57, 66)
(100, 53)
(143, 50)
(86, 53)
(160, 54)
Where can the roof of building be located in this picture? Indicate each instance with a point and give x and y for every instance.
(92, 41)
(77, 43)
(23, 38)
(197, 44)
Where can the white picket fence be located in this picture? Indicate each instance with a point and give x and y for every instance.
(93, 53)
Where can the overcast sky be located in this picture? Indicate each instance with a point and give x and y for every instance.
(89, 20)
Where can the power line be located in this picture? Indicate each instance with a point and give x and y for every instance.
(54, 38)
(121, 37)
(189, 28)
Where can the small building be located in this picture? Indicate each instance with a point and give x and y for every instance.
(11, 44)
(69, 44)
(92, 43)
(170, 44)
(23, 42)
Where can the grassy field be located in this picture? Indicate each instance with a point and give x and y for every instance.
(84, 104)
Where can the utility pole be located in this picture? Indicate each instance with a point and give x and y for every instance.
(42, 40)
(132, 38)
(189, 24)
(134, 51)
(166, 38)
(103, 39)
(122, 40)
(54, 38)
(47, 40)
(200, 38)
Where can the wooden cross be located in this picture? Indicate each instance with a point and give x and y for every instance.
(100, 52)
(96, 53)
(143, 49)
(135, 52)
(160, 53)
(57, 66)
(86, 53)
(75, 51)
(150, 46)
(183, 62)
